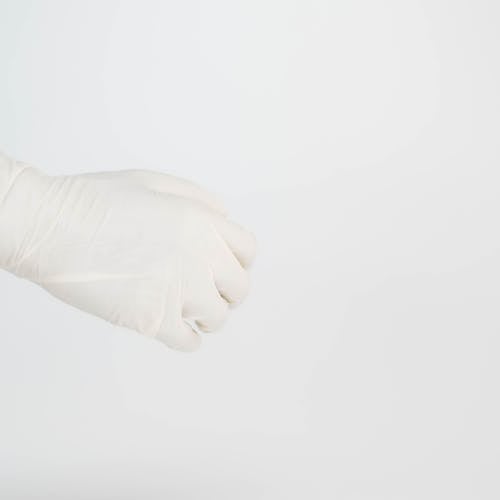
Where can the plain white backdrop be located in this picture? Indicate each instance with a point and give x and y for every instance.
(360, 141)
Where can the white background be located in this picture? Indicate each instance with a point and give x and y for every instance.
(360, 141)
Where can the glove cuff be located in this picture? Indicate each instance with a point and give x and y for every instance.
(21, 195)
(9, 171)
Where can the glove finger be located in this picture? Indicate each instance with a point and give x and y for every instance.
(231, 280)
(179, 335)
(241, 242)
(174, 331)
(203, 303)
(170, 184)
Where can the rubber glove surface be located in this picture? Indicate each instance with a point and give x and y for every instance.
(140, 249)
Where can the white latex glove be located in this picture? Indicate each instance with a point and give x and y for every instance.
(140, 249)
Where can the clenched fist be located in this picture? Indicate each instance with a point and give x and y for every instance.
(140, 249)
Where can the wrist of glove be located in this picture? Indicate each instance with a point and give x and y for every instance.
(140, 249)
(25, 205)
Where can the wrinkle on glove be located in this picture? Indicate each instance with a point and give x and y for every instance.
(140, 249)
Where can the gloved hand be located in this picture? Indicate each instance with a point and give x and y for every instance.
(140, 249)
